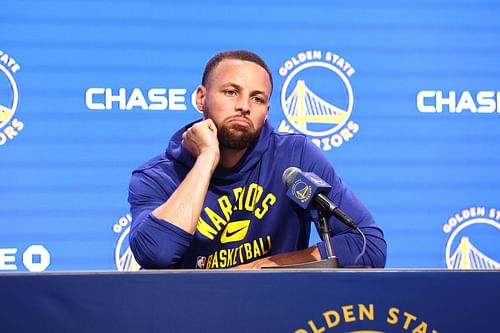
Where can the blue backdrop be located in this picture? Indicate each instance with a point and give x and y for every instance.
(403, 97)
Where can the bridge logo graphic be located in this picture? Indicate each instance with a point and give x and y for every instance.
(304, 108)
(473, 239)
(466, 255)
(317, 98)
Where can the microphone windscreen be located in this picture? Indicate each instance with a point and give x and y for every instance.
(289, 175)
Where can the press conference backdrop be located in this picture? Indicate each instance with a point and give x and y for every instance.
(402, 96)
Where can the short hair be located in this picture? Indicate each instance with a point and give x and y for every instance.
(234, 54)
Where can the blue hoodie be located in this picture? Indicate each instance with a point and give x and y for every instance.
(246, 214)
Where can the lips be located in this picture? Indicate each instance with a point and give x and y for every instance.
(240, 121)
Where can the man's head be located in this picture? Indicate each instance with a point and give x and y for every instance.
(234, 54)
(235, 92)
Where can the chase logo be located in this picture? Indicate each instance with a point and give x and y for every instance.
(124, 259)
(317, 98)
(437, 101)
(154, 99)
(473, 239)
(9, 98)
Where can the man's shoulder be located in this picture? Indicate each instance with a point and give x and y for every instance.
(158, 162)
(291, 141)
(289, 138)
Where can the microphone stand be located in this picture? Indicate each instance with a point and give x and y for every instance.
(324, 228)
(331, 261)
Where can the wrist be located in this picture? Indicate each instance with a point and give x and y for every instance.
(209, 157)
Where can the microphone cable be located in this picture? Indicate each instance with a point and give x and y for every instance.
(363, 249)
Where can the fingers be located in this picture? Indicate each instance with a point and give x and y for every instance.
(200, 137)
(211, 125)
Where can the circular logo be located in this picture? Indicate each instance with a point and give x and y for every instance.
(317, 98)
(8, 97)
(473, 244)
(124, 258)
(301, 190)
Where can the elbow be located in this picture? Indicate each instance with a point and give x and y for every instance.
(377, 250)
(379, 256)
(149, 253)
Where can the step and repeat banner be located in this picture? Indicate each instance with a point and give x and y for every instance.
(402, 96)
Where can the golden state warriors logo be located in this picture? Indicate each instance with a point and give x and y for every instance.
(301, 190)
(9, 99)
(124, 259)
(317, 98)
(473, 239)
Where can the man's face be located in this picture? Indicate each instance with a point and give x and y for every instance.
(236, 98)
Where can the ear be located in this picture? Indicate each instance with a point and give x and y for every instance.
(201, 92)
(268, 108)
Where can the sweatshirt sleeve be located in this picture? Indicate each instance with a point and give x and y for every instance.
(347, 242)
(155, 243)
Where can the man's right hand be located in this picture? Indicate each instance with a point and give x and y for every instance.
(201, 139)
(184, 206)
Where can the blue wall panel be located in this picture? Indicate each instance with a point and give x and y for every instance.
(64, 168)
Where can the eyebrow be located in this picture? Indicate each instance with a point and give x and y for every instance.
(254, 92)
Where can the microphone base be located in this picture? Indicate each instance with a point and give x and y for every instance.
(331, 262)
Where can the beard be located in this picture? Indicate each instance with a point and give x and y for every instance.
(234, 136)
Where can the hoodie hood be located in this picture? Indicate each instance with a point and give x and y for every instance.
(251, 157)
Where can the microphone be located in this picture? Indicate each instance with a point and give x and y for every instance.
(307, 189)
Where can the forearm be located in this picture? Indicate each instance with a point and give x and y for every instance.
(347, 247)
(183, 207)
(284, 259)
(156, 244)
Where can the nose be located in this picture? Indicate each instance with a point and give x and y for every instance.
(243, 105)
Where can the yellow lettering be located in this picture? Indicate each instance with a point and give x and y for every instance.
(248, 250)
(223, 259)
(215, 218)
(348, 313)
(369, 313)
(269, 242)
(236, 253)
(422, 328)
(314, 328)
(264, 250)
(230, 253)
(301, 330)
(256, 250)
(215, 261)
(409, 319)
(393, 316)
(209, 261)
(269, 200)
(226, 207)
(240, 248)
(253, 195)
(328, 318)
(205, 229)
(238, 196)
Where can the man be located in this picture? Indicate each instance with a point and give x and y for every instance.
(215, 198)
